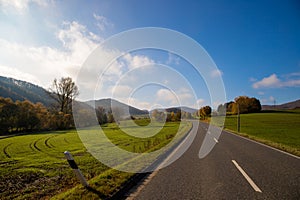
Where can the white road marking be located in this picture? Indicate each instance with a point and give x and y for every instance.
(216, 140)
(208, 132)
(250, 181)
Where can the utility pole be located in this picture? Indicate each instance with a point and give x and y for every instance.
(238, 118)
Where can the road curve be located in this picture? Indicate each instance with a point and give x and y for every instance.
(236, 168)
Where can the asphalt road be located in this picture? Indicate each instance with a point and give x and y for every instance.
(236, 168)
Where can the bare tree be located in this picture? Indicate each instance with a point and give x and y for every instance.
(64, 92)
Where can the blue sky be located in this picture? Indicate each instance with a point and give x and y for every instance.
(255, 44)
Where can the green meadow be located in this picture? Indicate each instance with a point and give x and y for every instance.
(280, 129)
(33, 166)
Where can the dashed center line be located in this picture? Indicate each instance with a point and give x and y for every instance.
(216, 140)
(250, 181)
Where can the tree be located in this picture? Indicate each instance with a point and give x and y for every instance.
(255, 105)
(186, 115)
(22, 116)
(221, 109)
(178, 116)
(27, 116)
(159, 115)
(64, 92)
(246, 105)
(43, 116)
(172, 116)
(110, 117)
(8, 115)
(101, 115)
(204, 112)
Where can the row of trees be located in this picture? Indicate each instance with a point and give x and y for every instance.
(104, 117)
(162, 116)
(241, 104)
(25, 116)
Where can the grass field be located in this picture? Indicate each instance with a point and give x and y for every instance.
(280, 129)
(33, 166)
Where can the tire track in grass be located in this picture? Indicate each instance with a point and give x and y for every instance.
(33, 145)
(5, 150)
(47, 143)
(30, 146)
(66, 141)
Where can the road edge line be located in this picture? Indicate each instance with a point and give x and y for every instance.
(262, 144)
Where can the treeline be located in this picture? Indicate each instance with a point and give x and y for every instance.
(242, 105)
(162, 116)
(20, 116)
(104, 117)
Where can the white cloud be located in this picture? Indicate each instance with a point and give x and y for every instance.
(291, 83)
(102, 22)
(121, 91)
(17, 74)
(261, 93)
(269, 100)
(252, 79)
(273, 81)
(200, 103)
(216, 73)
(179, 97)
(184, 94)
(20, 5)
(78, 40)
(45, 62)
(294, 74)
(173, 59)
(139, 104)
(135, 61)
(166, 96)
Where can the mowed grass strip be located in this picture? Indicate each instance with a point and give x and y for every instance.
(112, 180)
(33, 166)
(280, 129)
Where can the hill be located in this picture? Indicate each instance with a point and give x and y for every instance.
(108, 104)
(285, 106)
(22, 90)
(183, 108)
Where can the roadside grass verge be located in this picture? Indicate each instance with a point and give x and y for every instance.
(33, 166)
(279, 129)
(109, 182)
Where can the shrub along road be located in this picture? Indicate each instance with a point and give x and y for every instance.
(237, 168)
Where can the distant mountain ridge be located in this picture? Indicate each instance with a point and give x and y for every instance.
(285, 106)
(182, 108)
(22, 90)
(108, 104)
